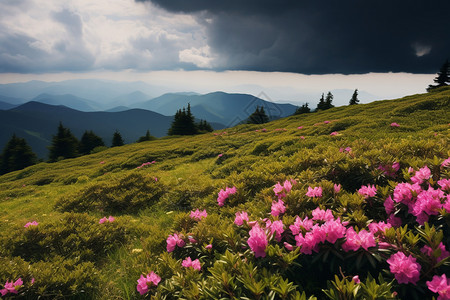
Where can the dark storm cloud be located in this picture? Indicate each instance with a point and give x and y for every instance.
(318, 37)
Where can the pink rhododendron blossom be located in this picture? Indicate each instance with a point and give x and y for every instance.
(300, 127)
(334, 230)
(446, 163)
(394, 124)
(356, 280)
(281, 190)
(429, 203)
(441, 286)
(405, 268)
(145, 282)
(11, 287)
(446, 205)
(277, 208)
(428, 251)
(209, 247)
(316, 192)
(223, 195)
(326, 122)
(444, 184)
(422, 175)
(192, 240)
(189, 263)
(288, 246)
(334, 133)
(110, 219)
(337, 188)
(389, 205)
(173, 241)
(380, 226)
(363, 239)
(310, 242)
(257, 241)
(34, 223)
(368, 191)
(198, 215)
(394, 221)
(302, 137)
(306, 224)
(276, 229)
(322, 215)
(240, 218)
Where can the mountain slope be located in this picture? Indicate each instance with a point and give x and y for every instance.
(151, 188)
(68, 100)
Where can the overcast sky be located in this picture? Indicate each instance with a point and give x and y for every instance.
(368, 42)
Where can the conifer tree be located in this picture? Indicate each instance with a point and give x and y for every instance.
(354, 100)
(117, 139)
(321, 104)
(204, 126)
(89, 141)
(16, 155)
(442, 78)
(183, 123)
(304, 109)
(146, 137)
(258, 116)
(64, 144)
(329, 100)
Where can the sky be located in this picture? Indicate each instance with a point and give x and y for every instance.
(287, 49)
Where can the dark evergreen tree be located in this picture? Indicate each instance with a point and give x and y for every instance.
(258, 116)
(304, 109)
(442, 78)
(146, 137)
(64, 144)
(321, 104)
(117, 139)
(204, 126)
(354, 100)
(89, 141)
(16, 155)
(183, 123)
(329, 100)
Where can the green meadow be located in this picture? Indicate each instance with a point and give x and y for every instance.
(70, 255)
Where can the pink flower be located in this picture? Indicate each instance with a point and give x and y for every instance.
(326, 122)
(310, 242)
(422, 175)
(288, 246)
(316, 192)
(189, 263)
(198, 215)
(223, 195)
(356, 280)
(102, 162)
(322, 215)
(192, 240)
(440, 285)
(334, 133)
(389, 205)
(380, 226)
(405, 268)
(302, 137)
(337, 188)
(278, 208)
(300, 127)
(300, 224)
(240, 218)
(348, 149)
(393, 124)
(334, 230)
(257, 241)
(105, 219)
(394, 221)
(444, 184)
(446, 163)
(428, 251)
(276, 228)
(446, 205)
(428, 202)
(34, 223)
(111, 219)
(209, 247)
(11, 287)
(354, 241)
(173, 241)
(220, 155)
(368, 191)
(145, 282)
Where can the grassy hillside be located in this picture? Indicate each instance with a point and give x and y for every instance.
(69, 254)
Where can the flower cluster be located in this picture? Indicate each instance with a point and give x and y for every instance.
(368, 191)
(144, 283)
(110, 219)
(258, 241)
(314, 192)
(34, 223)
(12, 287)
(405, 268)
(198, 215)
(189, 263)
(223, 195)
(173, 241)
(146, 164)
(240, 218)
(441, 286)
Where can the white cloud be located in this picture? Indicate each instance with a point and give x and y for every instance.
(201, 57)
(421, 50)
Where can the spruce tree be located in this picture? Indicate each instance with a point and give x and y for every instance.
(16, 155)
(64, 144)
(442, 78)
(89, 141)
(258, 116)
(354, 100)
(329, 100)
(117, 139)
(204, 126)
(146, 137)
(321, 104)
(304, 109)
(183, 123)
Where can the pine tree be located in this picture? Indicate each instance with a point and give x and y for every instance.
(89, 141)
(117, 139)
(16, 155)
(442, 78)
(64, 144)
(204, 126)
(354, 100)
(329, 100)
(304, 109)
(321, 104)
(258, 116)
(183, 123)
(146, 137)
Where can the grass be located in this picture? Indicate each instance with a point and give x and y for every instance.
(191, 173)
